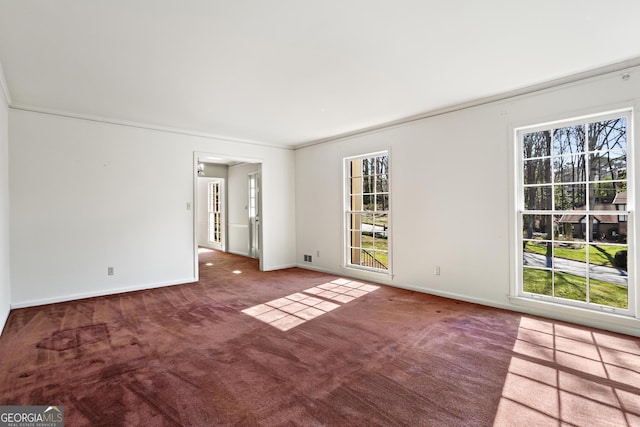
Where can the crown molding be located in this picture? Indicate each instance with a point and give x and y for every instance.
(140, 125)
(540, 87)
(5, 88)
(536, 88)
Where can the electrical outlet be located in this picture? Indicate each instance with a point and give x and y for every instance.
(110, 271)
(436, 270)
(307, 258)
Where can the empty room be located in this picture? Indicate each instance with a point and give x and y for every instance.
(408, 213)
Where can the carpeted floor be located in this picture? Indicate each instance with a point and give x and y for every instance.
(295, 347)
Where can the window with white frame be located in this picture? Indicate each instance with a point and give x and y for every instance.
(367, 212)
(573, 212)
(215, 212)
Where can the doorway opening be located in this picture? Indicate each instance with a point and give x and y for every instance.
(227, 205)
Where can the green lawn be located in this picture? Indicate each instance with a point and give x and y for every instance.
(379, 248)
(598, 254)
(574, 288)
(379, 220)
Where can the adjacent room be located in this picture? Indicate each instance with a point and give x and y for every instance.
(320, 213)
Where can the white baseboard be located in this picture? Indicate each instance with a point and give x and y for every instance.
(114, 291)
(280, 267)
(239, 253)
(590, 318)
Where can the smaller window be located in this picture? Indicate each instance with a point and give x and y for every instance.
(215, 213)
(367, 212)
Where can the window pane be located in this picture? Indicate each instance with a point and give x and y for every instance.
(381, 259)
(538, 281)
(569, 140)
(368, 166)
(539, 227)
(570, 257)
(355, 238)
(382, 183)
(382, 165)
(602, 194)
(537, 144)
(354, 220)
(367, 238)
(382, 202)
(368, 184)
(356, 185)
(570, 197)
(537, 171)
(356, 202)
(613, 257)
(607, 165)
(355, 168)
(381, 222)
(570, 286)
(537, 198)
(608, 134)
(368, 202)
(538, 254)
(610, 294)
(570, 228)
(592, 232)
(569, 168)
(608, 280)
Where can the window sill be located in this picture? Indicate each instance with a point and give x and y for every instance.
(369, 270)
(625, 324)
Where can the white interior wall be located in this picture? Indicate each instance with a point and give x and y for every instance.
(281, 194)
(5, 290)
(87, 195)
(237, 209)
(452, 196)
(215, 171)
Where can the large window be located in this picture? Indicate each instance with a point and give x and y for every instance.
(367, 212)
(573, 213)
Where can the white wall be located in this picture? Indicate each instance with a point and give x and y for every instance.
(452, 193)
(87, 195)
(215, 171)
(5, 291)
(237, 209)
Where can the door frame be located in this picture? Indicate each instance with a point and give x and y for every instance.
(193, 205)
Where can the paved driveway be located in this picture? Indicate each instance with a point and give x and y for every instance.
(606, 274)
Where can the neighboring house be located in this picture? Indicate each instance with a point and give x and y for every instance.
(605, 226)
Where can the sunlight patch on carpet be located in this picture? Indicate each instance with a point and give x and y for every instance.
(563, 374)
(288, 312)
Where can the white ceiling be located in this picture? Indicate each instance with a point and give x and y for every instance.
(287, 72)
